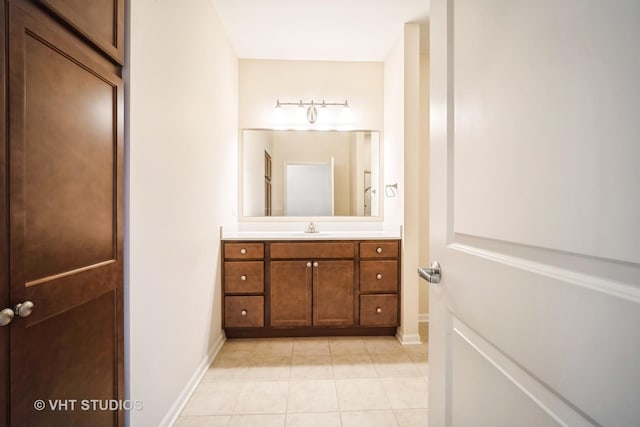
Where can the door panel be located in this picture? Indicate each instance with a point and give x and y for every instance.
(68, 202)
(471, 402)
(534, 208)
(102, 21)
(65, 115)
(81, 341)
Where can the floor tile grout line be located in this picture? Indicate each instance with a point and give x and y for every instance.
(370, 352)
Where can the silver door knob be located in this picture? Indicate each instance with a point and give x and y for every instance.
(6, 316)
(24, 309)
(432, 274)
(379, 276)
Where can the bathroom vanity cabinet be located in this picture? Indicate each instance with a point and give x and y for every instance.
(311, 288)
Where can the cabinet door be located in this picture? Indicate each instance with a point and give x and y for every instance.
(290, 292)
(333, 283)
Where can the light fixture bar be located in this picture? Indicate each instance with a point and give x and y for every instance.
(312, 111)
(308, 104)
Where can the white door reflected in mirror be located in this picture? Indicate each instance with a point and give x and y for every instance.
(355, 156)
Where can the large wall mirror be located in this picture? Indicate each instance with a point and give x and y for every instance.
(293, 173)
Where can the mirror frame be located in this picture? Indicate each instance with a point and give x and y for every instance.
(240, 174)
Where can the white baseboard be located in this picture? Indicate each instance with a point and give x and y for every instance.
(423, 318)
(407, 339)
(181, 401)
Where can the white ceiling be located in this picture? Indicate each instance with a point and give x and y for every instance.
(329, 30)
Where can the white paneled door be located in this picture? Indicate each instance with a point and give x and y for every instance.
(535, 213)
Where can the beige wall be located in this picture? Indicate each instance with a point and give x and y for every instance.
(402, 165)
(181, 175)
(262, 82)
(393, 145)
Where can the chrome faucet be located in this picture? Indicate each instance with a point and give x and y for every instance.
(312, 228)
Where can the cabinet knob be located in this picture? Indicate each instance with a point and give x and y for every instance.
(243, 251)
(379, 250)
(243, 313)
(315, 264)
(308, 264)
(379, 276)
(243, 277)
(379, 310)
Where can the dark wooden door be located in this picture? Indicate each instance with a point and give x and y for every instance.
(290, 293)
(4, 234)
(333, 293)
(65, 109)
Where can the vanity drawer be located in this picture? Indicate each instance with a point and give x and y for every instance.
(312, 250)
(388, 249)
(379, 310)
(242, 312)
(379, 276)
(243, 277)
(243, 250)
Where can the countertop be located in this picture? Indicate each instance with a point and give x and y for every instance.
(388, 233)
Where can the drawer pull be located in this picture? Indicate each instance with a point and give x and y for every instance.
(243, 313)
(379, 276)
(308, 264)
(379, 310)
(379, 250)
(243, 251)
(243, 277)
(315, 264)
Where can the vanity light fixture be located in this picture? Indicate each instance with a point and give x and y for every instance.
(311, 108)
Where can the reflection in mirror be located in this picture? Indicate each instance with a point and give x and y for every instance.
(310, 173)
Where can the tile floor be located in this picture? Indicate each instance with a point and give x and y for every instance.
(327, 382)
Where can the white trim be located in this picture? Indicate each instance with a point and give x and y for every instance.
(181, 401)
(423, 318)
(609, 287)
(546, 399)
(407, 339)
